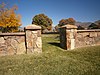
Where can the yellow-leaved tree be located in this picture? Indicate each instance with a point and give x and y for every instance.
(9, 20)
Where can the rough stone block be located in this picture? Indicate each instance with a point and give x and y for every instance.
(68, 35)
(71, 35)
(85, 34)
(72, 43)
(98, 34)
(39, 42)
(68, 44)
(21, 48)
(2, 40)
(39, 33)
(93, 34)
(32, 27)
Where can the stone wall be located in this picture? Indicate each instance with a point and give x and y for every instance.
(33, 39)
(87, 38)
(28, 41)
(67, 36)
(71, 38)
(12, 43)
(63, 38)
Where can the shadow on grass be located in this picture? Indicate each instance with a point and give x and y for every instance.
(55, 44)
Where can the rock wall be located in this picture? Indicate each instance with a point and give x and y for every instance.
(87, 38)
(11, 44)
(63, 38)
(33, 39)
(21, 43)
(71, 38)
(67, 36)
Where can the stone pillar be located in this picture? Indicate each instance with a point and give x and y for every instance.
(33, 39)
(67, 36)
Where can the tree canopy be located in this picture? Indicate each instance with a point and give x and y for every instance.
(42, 20)
(98, 23)
(93, 26)
(66, 21)
(80, 27)
(9, 20)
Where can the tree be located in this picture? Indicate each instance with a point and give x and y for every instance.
(9, 21)
(80, 28)
(98, 23)
(70, 21)
(57, 28)
(93, 26)
(42, 20)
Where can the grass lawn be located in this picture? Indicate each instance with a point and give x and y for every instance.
(53, 61)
